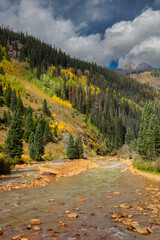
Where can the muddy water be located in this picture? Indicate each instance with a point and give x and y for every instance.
(94, 220)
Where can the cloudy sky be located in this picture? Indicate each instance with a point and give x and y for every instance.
(109, 32)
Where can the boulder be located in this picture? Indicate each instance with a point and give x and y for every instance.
(35, 221)
(72, 215)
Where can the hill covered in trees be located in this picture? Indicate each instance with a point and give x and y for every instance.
(111, 104)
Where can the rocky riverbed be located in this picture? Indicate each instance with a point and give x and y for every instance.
(105, 202)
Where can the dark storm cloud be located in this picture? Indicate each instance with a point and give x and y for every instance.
(101, 31)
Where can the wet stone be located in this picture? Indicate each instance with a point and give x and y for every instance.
(35, 221)
(72, 215)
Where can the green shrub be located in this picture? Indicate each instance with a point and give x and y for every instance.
(5, 166)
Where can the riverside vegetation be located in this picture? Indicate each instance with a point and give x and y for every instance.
(115, 107)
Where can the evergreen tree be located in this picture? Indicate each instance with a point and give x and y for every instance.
(13, 143)
(20, 106)
(42, 122)
(47, 133)
(31, 139)
(1, 90)
(28, 127)
(4, 118)
(28, 111)
(8, 118)
(148, 143)
(55, 131)
(13, 101)
(79, 146)
(46, 111)
(129, 136)
(71, 149)
(7, 96)
(38, 143)
(32, 153)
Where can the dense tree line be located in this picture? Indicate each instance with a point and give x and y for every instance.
(112, 102)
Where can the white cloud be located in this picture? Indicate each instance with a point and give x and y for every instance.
(137, 40)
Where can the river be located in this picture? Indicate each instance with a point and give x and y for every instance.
(96, 187)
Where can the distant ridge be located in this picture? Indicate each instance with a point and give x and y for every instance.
(132, 67)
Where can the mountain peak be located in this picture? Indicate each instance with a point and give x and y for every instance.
(134, 67)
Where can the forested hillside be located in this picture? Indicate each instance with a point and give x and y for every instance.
(110, 102)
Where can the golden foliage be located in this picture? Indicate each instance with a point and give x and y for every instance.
(62, 102)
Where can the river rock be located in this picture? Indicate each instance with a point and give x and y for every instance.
(18, 237)
(51, 200)
(75, 209)
(139, 229)
(152, 189)
(24, 239)
(125, 205)
(152, 207)
(67, 212)
(35, 221)
(29, 226)
(81, 200)
(117, 215)
(116, 193)
(72, 215)
(36, 228)
(149, 230)
(1, 231)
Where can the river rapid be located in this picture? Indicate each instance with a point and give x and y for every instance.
(97, 187)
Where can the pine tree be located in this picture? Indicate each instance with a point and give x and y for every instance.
(79, 146)
(31, 139)
(148, 143)
(47, 133)
(4, 118)
(7, 96)
(38, 143)
(8, 118)
(129, 136)
(13, 104)
(28, 111)
(32, 153)
(13, 143)
(28, 127)
(20, 106)
(46, 111)
(71, 149)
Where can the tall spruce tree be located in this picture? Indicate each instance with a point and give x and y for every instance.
(20, 106)
(129, 136)
(13, 104)
(71, 148)
(28, 127)
(79, 146)
(7, 96)
(13, 143)
(148, 143)
(38, 143)
(46, 111)
(47, 133)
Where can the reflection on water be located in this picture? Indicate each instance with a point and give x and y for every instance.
(94, 216)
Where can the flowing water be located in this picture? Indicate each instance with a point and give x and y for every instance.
(94, 220)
